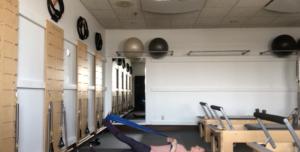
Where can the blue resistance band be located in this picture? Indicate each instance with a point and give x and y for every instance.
(115, 118)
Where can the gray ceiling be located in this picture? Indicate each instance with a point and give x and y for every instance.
(215, 14)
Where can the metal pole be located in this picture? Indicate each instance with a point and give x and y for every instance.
(219, 118)
(266, 132)
(65, 130)
(225, 116)
(294, 135)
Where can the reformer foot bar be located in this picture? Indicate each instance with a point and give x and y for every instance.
(277, 119)
(204, 121)
(226, 138)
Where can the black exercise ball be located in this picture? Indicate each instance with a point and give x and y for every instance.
(158, 44)
(284, 43)
(298, 45)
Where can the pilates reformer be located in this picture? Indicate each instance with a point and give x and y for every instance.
(238, 134)
(206, 120)
(293, 147)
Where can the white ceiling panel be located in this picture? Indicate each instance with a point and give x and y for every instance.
(133, 22)
(129, 13)
(158, 23)
(104, 14)
(285, 20)
(134, 27)
(266, 13)
(274, 25)
(260, 20)
(243, 11)
(156, 15)
(208, 21)
(96, 4)
(291, 14)
(252, 26)
(252, 3)
(205, 26)
(157, 27)
(240, 20)
(136, 4)
(220, 3)
(229, 26)
(113, 22)
(193, 14)
(184, 22)
(113, 27)
(215, 12)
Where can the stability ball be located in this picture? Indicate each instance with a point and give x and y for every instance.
(284, 43)
(158, 44)
(131, 46)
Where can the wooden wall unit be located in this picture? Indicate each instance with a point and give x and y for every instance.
(54, 75)
(9, 22)
(98, 92)
(82, 92)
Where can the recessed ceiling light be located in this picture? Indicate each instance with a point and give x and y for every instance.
(233, 21)
(124, 4)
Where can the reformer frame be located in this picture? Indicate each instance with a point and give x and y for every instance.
(226, 138)
(277, 119)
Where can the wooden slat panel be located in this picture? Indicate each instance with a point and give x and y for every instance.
(9, 22)
(98, 91)
(53, 80)
(82, 83)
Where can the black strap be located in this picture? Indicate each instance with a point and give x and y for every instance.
(57, 13)
(81, 25)
(98, 41)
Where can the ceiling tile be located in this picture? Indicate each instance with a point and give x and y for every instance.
(254, 25)
(129, 13)
(243, 11)
(134, 27)
(240, 20)
(220, 3)
(156, 15)
(205, 26)
(264, 12)
(113, 27)
(158, 23)
(291, 14)
(133, 22)
(96, 4)
(104, 14)
(193, 14)
(157, 27)
(229, 26)
(184, 22)
(136, 4)
(252, 3)
(275, 25)
(260, 20)
(106, 22)
(208, 21)
(215, 12)
(285, 20)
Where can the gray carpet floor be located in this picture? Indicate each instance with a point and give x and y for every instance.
(186, 138)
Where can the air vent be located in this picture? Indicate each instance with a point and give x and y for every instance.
(172, 6)
(284, 6)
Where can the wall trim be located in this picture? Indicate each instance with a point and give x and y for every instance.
(266, 58)
(281, 89)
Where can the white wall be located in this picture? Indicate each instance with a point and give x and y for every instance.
(31, 68)
(175, 85)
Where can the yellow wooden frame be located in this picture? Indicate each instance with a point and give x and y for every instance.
(98, 90)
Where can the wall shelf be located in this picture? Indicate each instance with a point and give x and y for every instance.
(121, 52)
(242, 52)
(285, 51)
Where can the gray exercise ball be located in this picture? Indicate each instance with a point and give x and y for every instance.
(133, 44)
